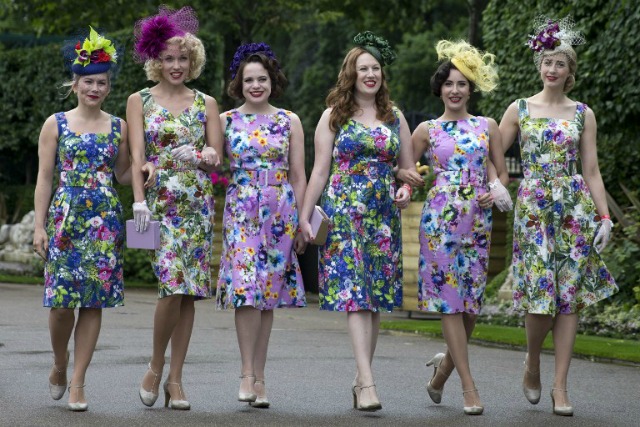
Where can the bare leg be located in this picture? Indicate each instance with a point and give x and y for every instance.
(61, 321)
(260, 356)
(180, 338)
(85, 340)
(248, 322)
(165, 319)
(363, 325)
(447, 366)
(455, 334)
(564, 336)
(537, 327)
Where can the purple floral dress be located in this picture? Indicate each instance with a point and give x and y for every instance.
(181, 199)
(360, 265)
(84, 223)
(454, 230)
(259, 267)
(555, 267)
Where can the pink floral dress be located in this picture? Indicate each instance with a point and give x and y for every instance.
(555, 267)
(259, 267)
(455, 231)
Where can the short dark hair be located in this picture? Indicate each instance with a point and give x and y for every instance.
(278, 80)
(441, 75)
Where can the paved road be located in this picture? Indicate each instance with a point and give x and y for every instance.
(309, 374)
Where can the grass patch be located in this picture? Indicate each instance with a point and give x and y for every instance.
(587, 346)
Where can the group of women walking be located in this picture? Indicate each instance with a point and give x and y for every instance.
(363, 146)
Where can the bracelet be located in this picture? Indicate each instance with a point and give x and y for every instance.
(605, 217)
(408, 187)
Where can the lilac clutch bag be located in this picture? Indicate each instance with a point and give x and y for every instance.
(319, 225)
(150, 239)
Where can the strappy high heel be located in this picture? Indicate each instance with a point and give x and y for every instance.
(532, 394)
(77, 406)
(475, 409)
(261, 401)
(434, 393)
(369, 407)
(148, 398)
(247, 397)
(566, 411)
(173, 403)
(56, 390)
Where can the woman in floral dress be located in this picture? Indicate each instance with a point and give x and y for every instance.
(81, 236)
(561, 220)
(455, 229)
(175, 128)
(359, 139)
(259, 268)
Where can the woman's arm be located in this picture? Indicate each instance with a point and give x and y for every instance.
(212, 153)
(323, 143)
(136, 145)
(123, 162)
(509, 126)
(496, 152)
(590, 168)
(407, 165)
(47, 147)
(297, 175)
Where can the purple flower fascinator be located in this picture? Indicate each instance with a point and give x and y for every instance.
(551, 34)
(246, 50)
(151, 33)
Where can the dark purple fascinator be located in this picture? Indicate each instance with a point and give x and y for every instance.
(246, 50)
(151, 33)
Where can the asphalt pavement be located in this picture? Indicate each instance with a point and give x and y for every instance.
(309, 373)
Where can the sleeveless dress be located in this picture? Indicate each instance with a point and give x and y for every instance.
(181, 199)
(259, 267)
(455, 231)
(85, 223)
(360, 265)
(555, 267)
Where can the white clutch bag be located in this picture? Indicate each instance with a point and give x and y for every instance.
(319, 225)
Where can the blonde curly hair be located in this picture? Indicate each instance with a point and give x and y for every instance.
(197, 58)
(475, 65)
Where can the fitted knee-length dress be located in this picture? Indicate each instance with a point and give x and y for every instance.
(181, 199)
(85, 223)
(555, 266)
(455, 231)
(259, 267)
(360, 265)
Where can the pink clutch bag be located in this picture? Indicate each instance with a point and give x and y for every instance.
(319, 225)
(149, 239)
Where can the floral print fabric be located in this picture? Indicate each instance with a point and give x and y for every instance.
(555, 267)
(259, 267)
(360, 266)
(455, 231)
(181, 199)
(84, 223)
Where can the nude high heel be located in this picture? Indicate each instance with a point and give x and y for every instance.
(532, 394)
(57, 391)
(77, 406)
(148, 398)
(566, 411)
(261, 401)
(173, 403)
(247, 397)
(435, 394)
(475, 409)
(369, 407)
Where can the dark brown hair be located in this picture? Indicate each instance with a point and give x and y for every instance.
(441, 75)
(278, 80)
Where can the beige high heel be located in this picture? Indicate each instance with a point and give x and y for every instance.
(261, 401)
(475, 409)
(173, 403)
(369, 407)
(77, 406)
(57, 391)
(532, 394)
(247, 397)
(566, 411)
(148, 398)
(435, 394)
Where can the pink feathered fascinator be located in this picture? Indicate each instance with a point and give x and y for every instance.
(151, 33)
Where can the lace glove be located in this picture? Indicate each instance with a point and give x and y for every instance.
(603, 235)
(187, 153)
(500, 195)
(141, 216)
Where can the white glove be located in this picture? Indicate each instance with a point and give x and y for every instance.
(500, 195)
(141, 216)
(603, 236)
(187, 153)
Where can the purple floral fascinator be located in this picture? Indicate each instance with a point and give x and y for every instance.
(376, 46)
(551, 34)
(246, 50)
(151, 33)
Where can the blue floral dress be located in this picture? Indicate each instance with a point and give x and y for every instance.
(555, 267)
(454, 230)
(84, 223)
(259, 267)
(181, 199)
(360, 265)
